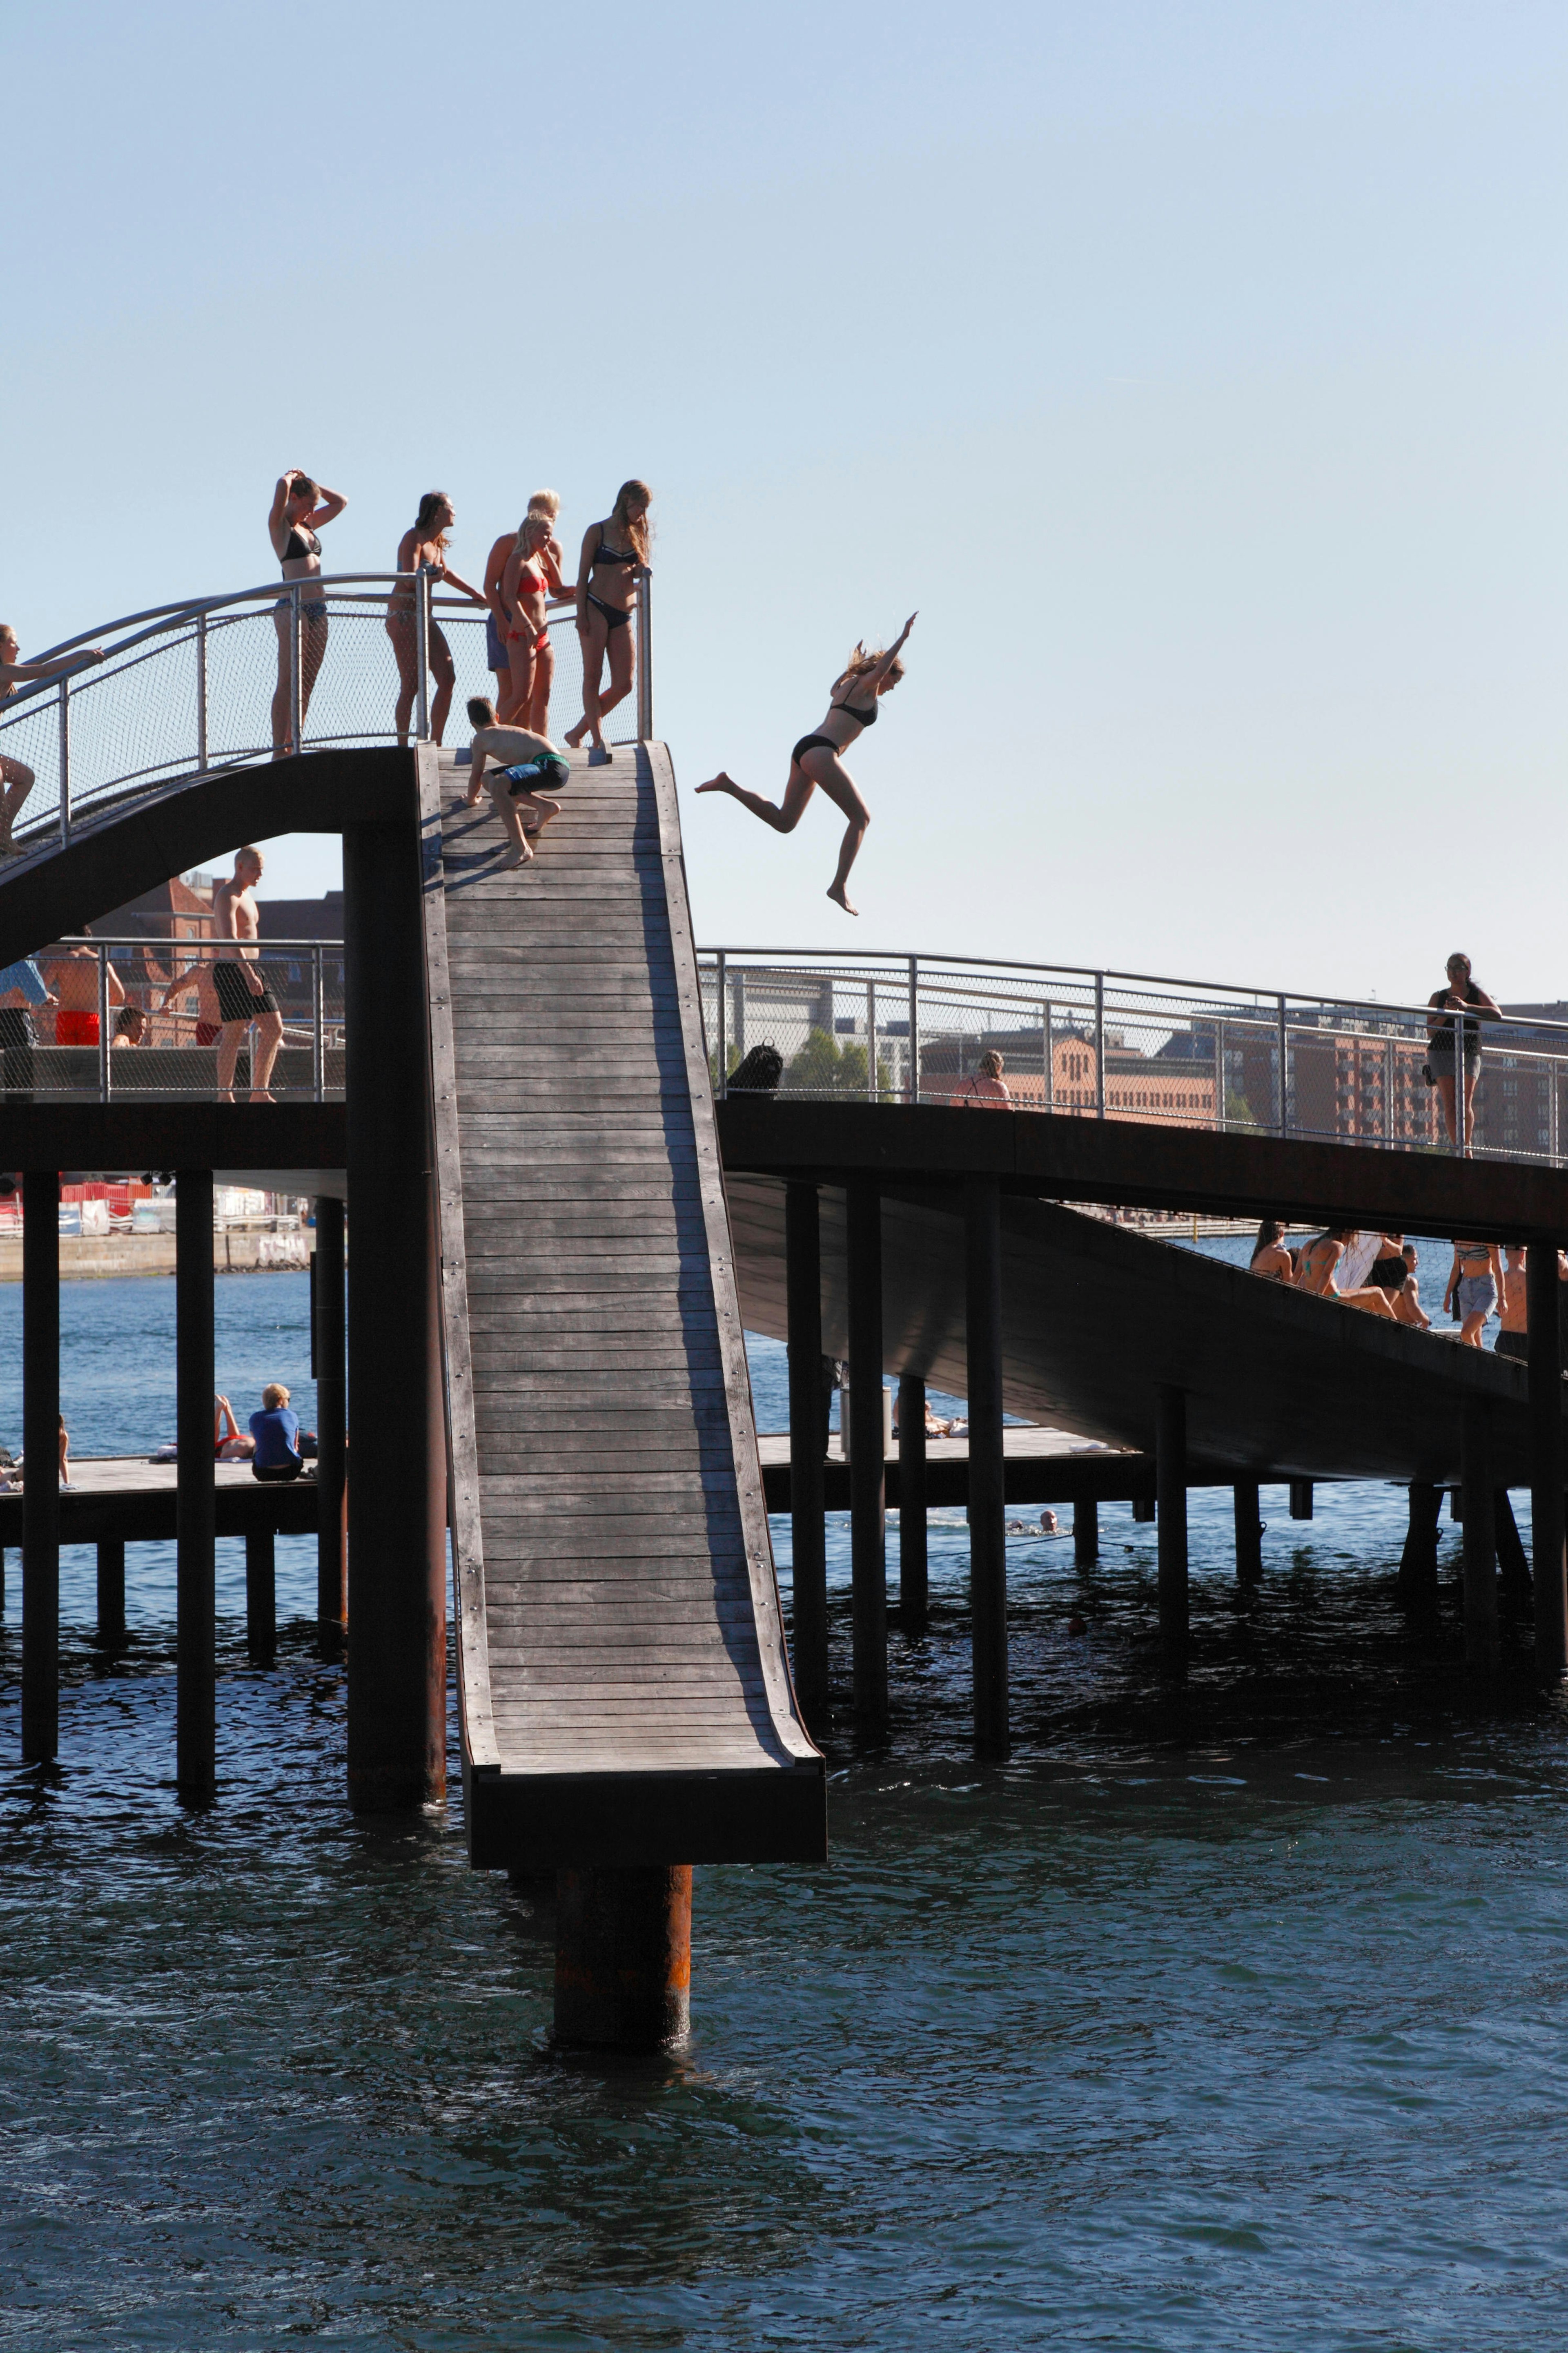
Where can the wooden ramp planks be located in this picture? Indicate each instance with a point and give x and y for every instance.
(624, 1685)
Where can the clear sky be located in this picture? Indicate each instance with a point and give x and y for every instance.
(1196, 369)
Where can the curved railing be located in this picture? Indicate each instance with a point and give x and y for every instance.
(1132, 1046)
(193, 689)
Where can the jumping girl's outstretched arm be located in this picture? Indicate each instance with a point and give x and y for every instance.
(873, 677)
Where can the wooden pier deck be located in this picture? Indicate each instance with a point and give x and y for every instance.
(128, 1497)
(625, 1690)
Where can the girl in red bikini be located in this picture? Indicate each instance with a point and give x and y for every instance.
(525, 592)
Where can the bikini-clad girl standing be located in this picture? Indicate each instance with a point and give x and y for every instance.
(424, 545)
(301, 509)
(614, 558)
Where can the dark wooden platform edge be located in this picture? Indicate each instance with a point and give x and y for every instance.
(543, 1821)
(283, 1508)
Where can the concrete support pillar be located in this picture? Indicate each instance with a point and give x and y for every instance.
(111, 1592)
(1418, 1562)
(397, 1494)
(623, 1957)
(1171, 1498)
(332, 1420)
(260, 1598)
(867, 1476)
(1480, 1537)
(1546, 1450)
(1249, 1532)
(1085, 1533)
(914, 1576)
(808, 1531)
(40, 1451)
(195, 1500)
(987, 1470)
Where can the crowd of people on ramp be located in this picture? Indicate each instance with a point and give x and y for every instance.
(1379, 1273)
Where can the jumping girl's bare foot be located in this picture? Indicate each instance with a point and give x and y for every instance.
(835, 892)
(721, 783)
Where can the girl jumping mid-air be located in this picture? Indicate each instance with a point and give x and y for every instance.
(819, 759)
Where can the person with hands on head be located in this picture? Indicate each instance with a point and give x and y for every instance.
(301, 509)
(1460, 1004)
(614, 559)
(423, 548)
(17, 779)
(819, 759)
(522, 761)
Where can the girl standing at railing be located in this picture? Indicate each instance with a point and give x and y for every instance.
(1460, 1002)
(497, 653)
(424, 548)
(524, 598)
(301, 508)
(819, 759)
(614, 559)
(16, 777)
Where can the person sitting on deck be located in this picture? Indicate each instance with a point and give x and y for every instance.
(523, 760)
(276, 1431)
(935, 1426)
(230, 1443)
(1316, 1274)
(986, 1090)
(1475, 1283)
(65, 1453)
(1271, 1258)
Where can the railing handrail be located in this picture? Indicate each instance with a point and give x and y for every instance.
(163, 940)
(826, 961)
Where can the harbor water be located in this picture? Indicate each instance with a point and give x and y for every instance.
(1230, 2014)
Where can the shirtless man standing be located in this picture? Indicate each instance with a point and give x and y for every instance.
(72, 975)
(243, 997)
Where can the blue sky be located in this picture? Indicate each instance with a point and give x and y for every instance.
(1198, 371)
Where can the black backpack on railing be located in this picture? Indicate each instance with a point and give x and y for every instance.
(758, 1074)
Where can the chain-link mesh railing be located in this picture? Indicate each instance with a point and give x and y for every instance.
(1104, 1045)
(228, 681)
(87, 1020)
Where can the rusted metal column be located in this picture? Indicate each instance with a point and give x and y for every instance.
(260, 1596)
(41, 1454)
(623, 1957)
(1171, 1501)
(195, 1500)
(331, 1418)
(398, 1499)
(1546, 1450)
(1249, 1532)
(914, 1570)
(867, 1470)
(1480, 1537)
(808, 1532)
(987, 1470)
(110, 1591)
(1085, 1533)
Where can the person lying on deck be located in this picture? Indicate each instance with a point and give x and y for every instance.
(1316, 1274)
(522, 762)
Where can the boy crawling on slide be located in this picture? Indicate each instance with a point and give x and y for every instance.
(522, 762)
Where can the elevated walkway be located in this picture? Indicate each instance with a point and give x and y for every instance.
(625, 1691)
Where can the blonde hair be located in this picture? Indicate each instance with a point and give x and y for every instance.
(545, 502)
(862, 660)
(533, 531)
(273, 1396)
(633, 527)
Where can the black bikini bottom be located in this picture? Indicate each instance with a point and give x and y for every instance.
(810, 742)
(615, 619)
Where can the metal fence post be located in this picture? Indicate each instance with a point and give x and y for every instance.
(1221, 1105)
(1284, 1080)
(422, 652)
(644, 658)
(914, 1029)
(1388, 1068)
(296, 694)
(201, 693)
(1048, 1065)
(317, 1053)
(722, 1076)
(102, 1022)
(871, 1041)
(1461, 1107)
(1099, 1045)
(65, 690)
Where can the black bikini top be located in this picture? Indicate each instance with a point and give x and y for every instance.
(866, 713)
(300, 543)
(607, 556)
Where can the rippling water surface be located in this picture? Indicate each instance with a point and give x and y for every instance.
(1228, 2016)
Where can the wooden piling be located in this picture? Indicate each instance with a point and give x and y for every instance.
(332, 1416)
(1170, 1499)
(808, 1527)
(260, 1598)
(914, 1571)
(1547, 1464)
(196, 1503)
(623, 1957)
(867, 1470)
(110, 1591)
(40, 1453)
(1418, 1583)
(987, 1469)
(1480, 1537)
(1143, 1508)
(1085, 1533)
(1300, 1499)
(1249, 1532)
(1513, 1562)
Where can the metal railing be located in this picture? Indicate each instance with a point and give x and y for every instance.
(218, 682)
(1134, 1046)
(157, 1020)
